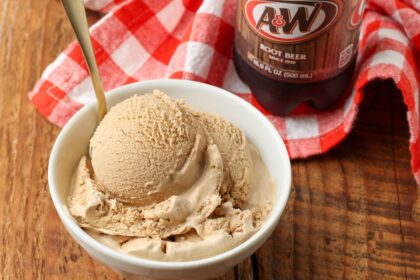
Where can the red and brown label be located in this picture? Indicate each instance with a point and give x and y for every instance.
(290, 21)
(298, 41)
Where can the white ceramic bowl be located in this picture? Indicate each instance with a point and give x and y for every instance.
(72, 144)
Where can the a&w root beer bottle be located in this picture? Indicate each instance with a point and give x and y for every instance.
(296, 51)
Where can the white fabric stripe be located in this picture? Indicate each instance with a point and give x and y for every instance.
(302, 127)
(397, 15)
(130, 55)
(392, 34)
(170, 15)
(53, 66)
(212, 7)
(388, 57)
(199, 59)
(83, 93)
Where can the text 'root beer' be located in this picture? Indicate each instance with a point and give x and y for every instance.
(290, 52)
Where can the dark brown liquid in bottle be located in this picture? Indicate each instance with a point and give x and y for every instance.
(280, 98)
(291, 52)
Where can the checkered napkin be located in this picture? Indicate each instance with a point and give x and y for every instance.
(192, 39)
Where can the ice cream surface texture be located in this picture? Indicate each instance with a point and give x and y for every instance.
(166, 182)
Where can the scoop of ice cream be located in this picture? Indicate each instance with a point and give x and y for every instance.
(146, 149)
(176, 215)
(235, 152)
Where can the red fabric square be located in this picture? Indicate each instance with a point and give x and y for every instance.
(75, 53)
(129, 80)
(151, 34)
(328, 140)
(47, 98)
(165, 51)
(415, 150)
(100, 54)
(408, 92)
(187, 76)
(224, 40)
(192, 5)
(134, 14)
(156, 5)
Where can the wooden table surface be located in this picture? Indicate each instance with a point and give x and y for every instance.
(349, 216)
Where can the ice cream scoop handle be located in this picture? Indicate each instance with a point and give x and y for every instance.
(76, 12)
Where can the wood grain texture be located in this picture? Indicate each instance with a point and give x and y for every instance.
(349, 215)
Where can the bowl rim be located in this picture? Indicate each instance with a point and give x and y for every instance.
(269, 225)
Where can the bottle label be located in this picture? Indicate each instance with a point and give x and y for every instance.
(298, 41)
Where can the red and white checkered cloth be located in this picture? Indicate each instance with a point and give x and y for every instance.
(192, 39)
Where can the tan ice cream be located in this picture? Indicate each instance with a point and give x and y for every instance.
(147, 149)
(166, 182)
(236, 154)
